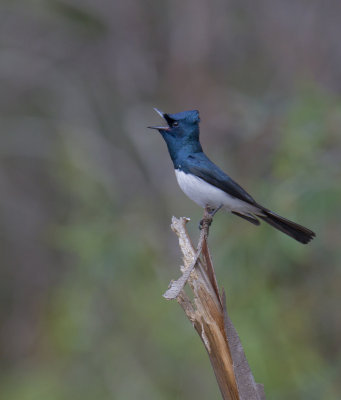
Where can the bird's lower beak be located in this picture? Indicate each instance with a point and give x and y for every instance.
(159, 128)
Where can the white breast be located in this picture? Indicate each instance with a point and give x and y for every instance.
(205, 194)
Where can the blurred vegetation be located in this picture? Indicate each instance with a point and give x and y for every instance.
(87, 193)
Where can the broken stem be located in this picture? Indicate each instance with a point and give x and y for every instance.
(207, 312)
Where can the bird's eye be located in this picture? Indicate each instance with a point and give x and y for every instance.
(175, 123)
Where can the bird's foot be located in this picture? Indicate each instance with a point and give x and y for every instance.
(213, 211)
(206, 221)
(209, 214)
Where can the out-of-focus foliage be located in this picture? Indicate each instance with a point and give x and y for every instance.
(87, 193)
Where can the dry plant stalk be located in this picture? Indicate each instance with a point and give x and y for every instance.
(208, 314)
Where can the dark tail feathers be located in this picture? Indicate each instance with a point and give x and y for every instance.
(296, 231)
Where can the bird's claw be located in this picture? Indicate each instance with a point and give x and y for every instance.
(209, 216)
(205, 221)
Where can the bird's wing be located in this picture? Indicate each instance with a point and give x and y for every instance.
(205, 169)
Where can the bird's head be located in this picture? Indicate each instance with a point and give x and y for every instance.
(183, 125)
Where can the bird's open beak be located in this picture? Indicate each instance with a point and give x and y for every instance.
(159, 112)
(160, 128)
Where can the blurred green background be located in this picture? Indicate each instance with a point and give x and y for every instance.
(87, 193)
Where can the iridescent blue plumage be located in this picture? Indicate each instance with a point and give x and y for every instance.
(206, 184)
(188, 116)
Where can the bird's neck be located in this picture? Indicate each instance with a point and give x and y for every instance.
(179, 150)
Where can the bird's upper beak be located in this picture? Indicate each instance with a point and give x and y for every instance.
(164, 116)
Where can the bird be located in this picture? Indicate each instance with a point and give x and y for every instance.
(207, 185)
